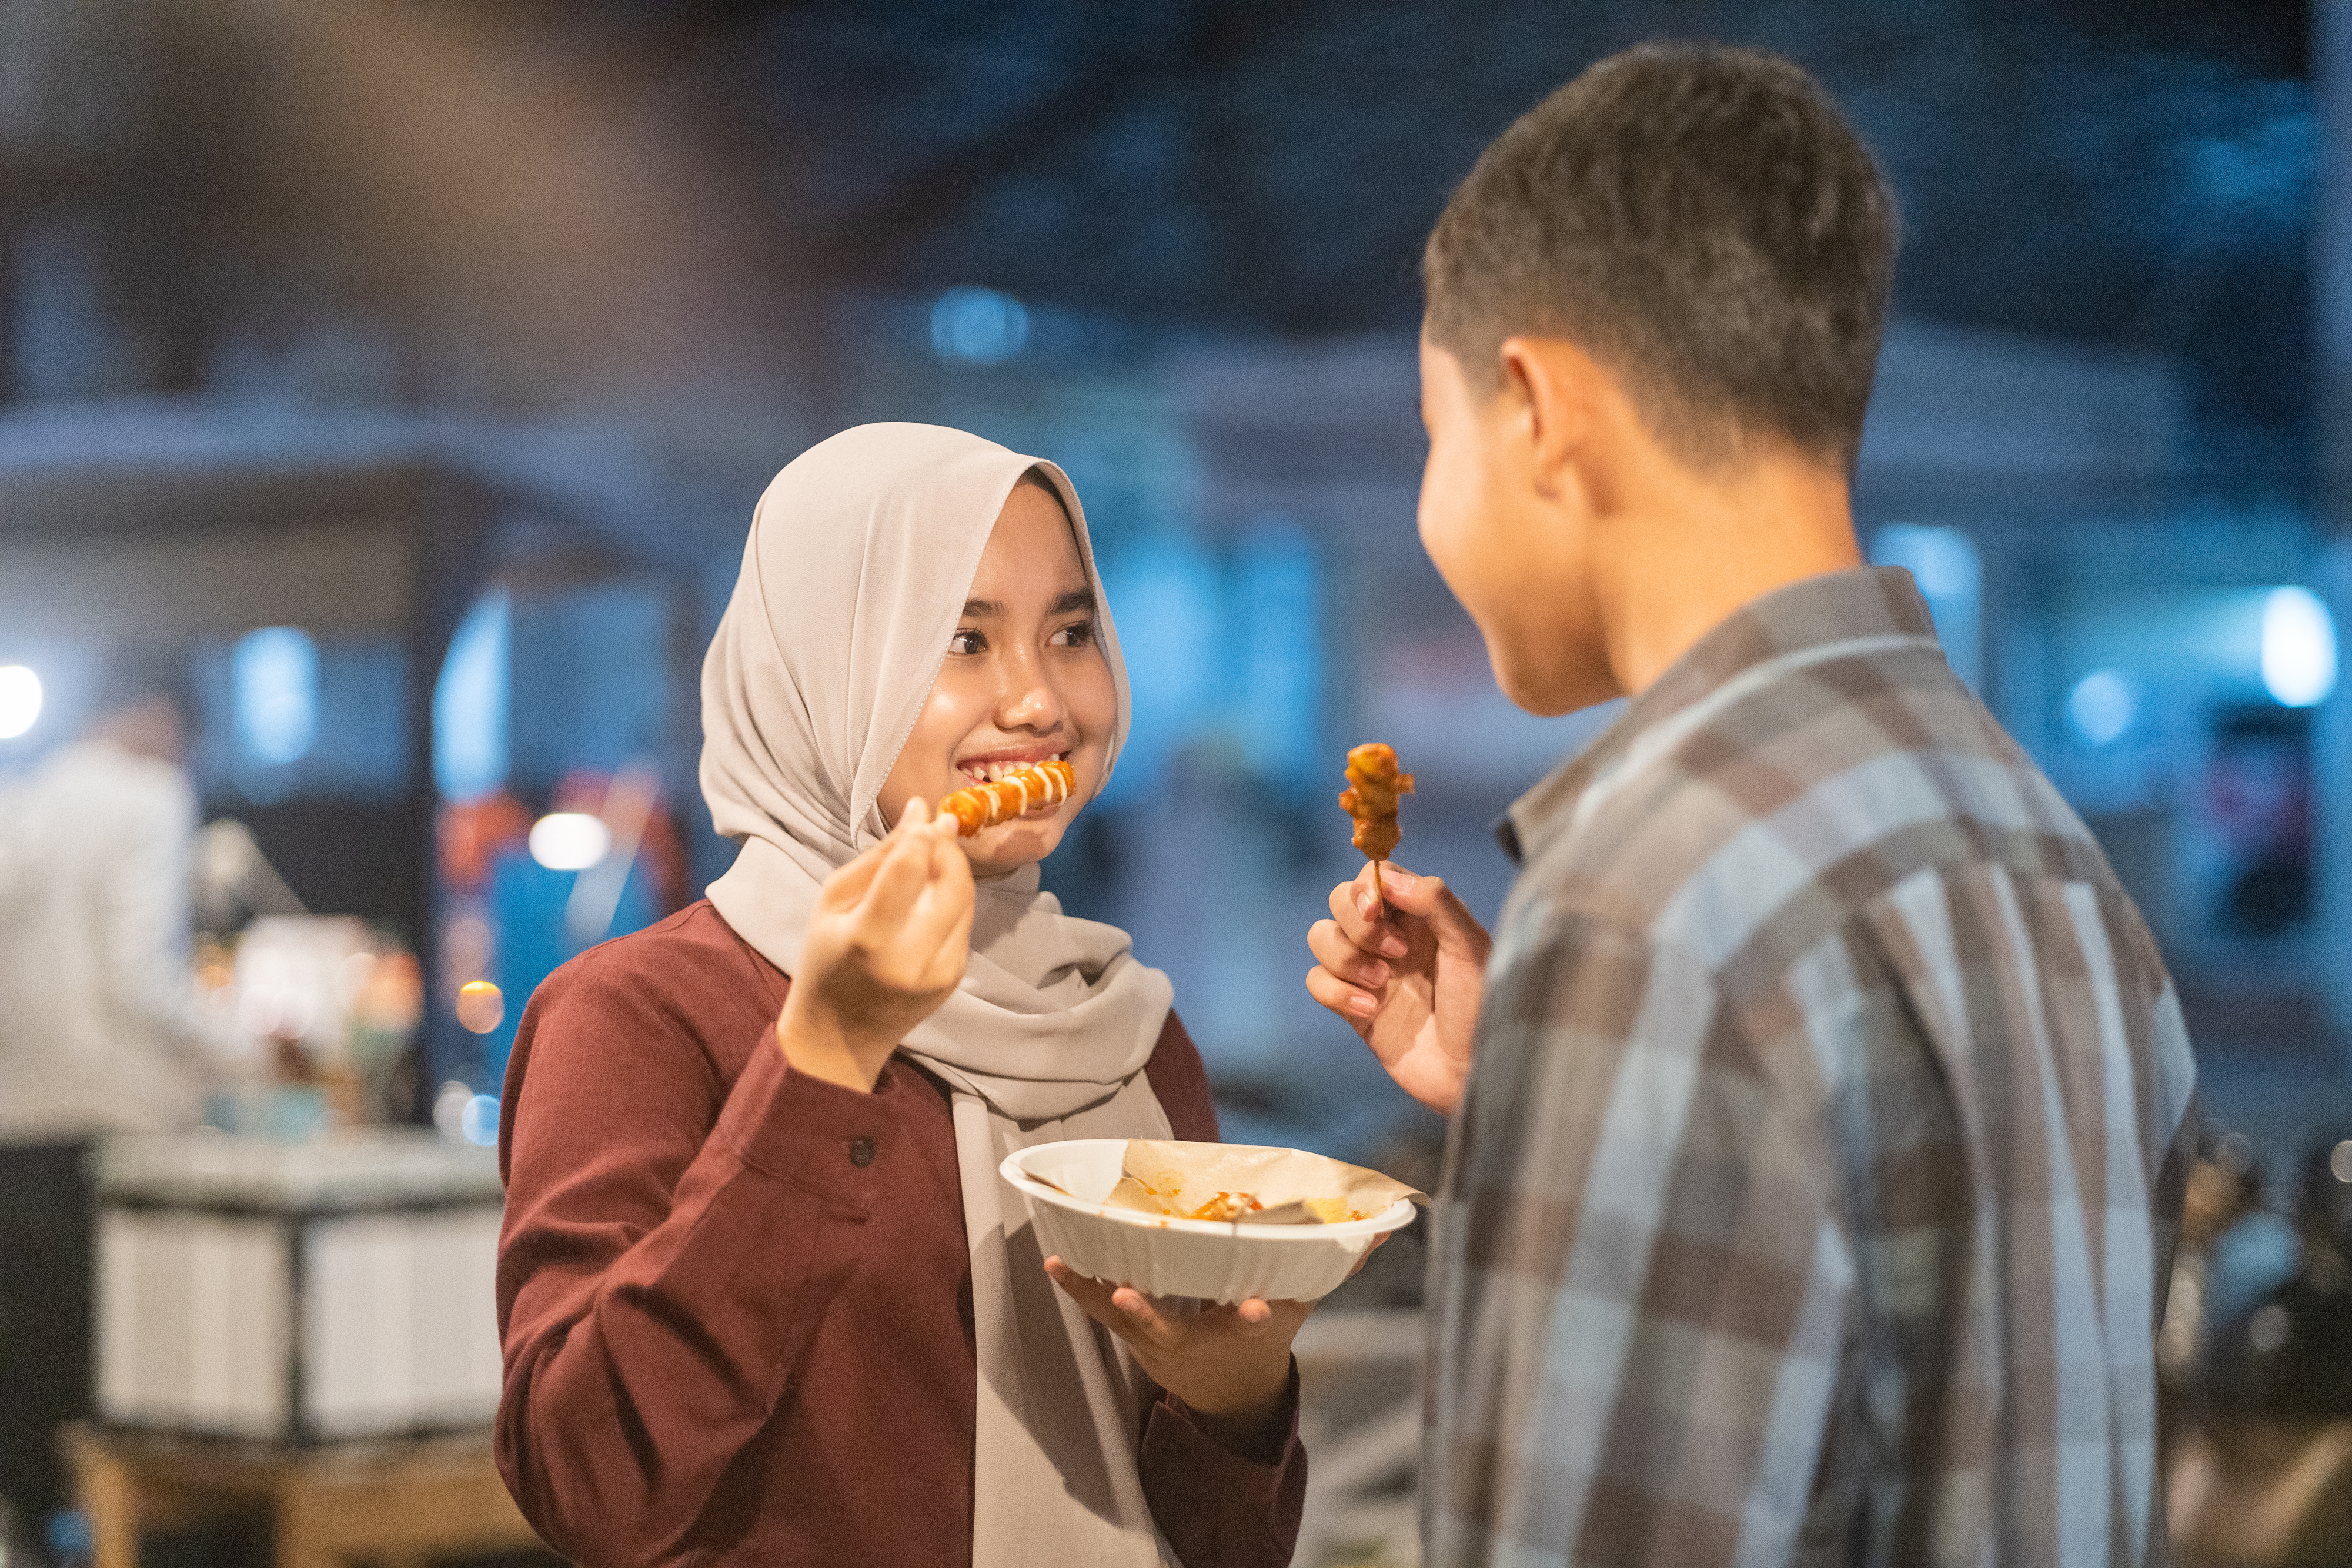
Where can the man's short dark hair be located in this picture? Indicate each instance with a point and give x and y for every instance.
(1701, 220)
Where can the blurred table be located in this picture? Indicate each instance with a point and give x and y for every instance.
(396, 1502)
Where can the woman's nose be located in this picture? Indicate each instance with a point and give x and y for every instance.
(1029, 700)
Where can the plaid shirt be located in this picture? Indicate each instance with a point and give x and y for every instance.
(1815, 1189)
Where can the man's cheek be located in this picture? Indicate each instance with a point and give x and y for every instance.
(1439, 541)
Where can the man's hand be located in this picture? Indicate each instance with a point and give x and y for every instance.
(1229, 1365)
(1406, 973)
(886, 945)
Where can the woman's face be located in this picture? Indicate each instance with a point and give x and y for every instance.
(1024, 680)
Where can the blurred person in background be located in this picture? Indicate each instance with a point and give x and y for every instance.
(100, 1031)
(1823, 1115)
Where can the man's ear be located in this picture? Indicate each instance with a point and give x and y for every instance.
(1553, 388)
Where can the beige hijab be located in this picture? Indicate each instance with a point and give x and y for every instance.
(862, 554)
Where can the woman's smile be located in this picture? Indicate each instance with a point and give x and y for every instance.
(991, 767)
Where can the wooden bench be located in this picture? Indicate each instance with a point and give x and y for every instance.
(400, 1504)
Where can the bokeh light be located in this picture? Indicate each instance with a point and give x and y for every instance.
(2298, 647)
(449, 1104)
(569, 840)
(478, 1122)
(276, 676)
(481, 1005)
(979, 325)
(2102, 706)
(20, 700)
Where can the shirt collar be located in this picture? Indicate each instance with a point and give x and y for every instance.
(1836, 607)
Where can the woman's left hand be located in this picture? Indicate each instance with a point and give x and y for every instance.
(1231, 1364)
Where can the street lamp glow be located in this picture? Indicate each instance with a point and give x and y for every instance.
(2298, 647)
(569, 840)
(20, 700)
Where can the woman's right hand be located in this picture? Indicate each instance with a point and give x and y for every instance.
(1407, 973)
(886, 945)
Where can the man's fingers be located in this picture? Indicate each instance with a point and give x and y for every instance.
(1429, 898)
(1349, 901)
(1344, 959)
(1358, 1007)
(1373, 905)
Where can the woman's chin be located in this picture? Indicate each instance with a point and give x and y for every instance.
(999, 851)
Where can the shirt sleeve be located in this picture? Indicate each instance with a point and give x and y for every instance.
(1640, 1282)
(659, 1278)
(1220, 1508)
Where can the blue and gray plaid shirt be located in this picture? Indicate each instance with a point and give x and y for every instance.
(1814, 1191)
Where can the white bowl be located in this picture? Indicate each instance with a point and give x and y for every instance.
(1212, 1259)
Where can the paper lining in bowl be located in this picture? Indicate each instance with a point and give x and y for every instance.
(1215, 1260)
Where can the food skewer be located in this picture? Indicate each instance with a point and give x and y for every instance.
(1374, 785)
(1019, 792)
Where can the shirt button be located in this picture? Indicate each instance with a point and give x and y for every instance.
(861, 1152)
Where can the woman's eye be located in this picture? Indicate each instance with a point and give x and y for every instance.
(1076, 636)
(967, 642)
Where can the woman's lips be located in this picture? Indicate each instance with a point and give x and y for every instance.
(989, 770)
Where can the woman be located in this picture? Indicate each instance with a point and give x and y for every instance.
(764, 1296)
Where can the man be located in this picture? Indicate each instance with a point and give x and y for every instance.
(1818, 1148)
(100, 1032)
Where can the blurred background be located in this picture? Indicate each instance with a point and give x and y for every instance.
(402, 376)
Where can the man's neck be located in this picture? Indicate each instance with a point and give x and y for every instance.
(1701, 547)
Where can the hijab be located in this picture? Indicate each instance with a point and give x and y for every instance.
(862, 553)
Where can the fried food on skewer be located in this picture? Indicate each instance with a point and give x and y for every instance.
(1370, 798)
(1023, 790)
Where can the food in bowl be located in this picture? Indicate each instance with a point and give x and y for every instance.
(1249, 1184)
(1297, 1245)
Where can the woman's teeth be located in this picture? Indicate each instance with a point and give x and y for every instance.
(991, 772)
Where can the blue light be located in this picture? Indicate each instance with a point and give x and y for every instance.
(979, 325)
(469, 702)
(274, 679)
(479, 1120)
(2102, 706)
(1944, 562)
(2298, 647)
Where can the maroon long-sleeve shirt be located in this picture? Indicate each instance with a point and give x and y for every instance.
(737, 1301)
